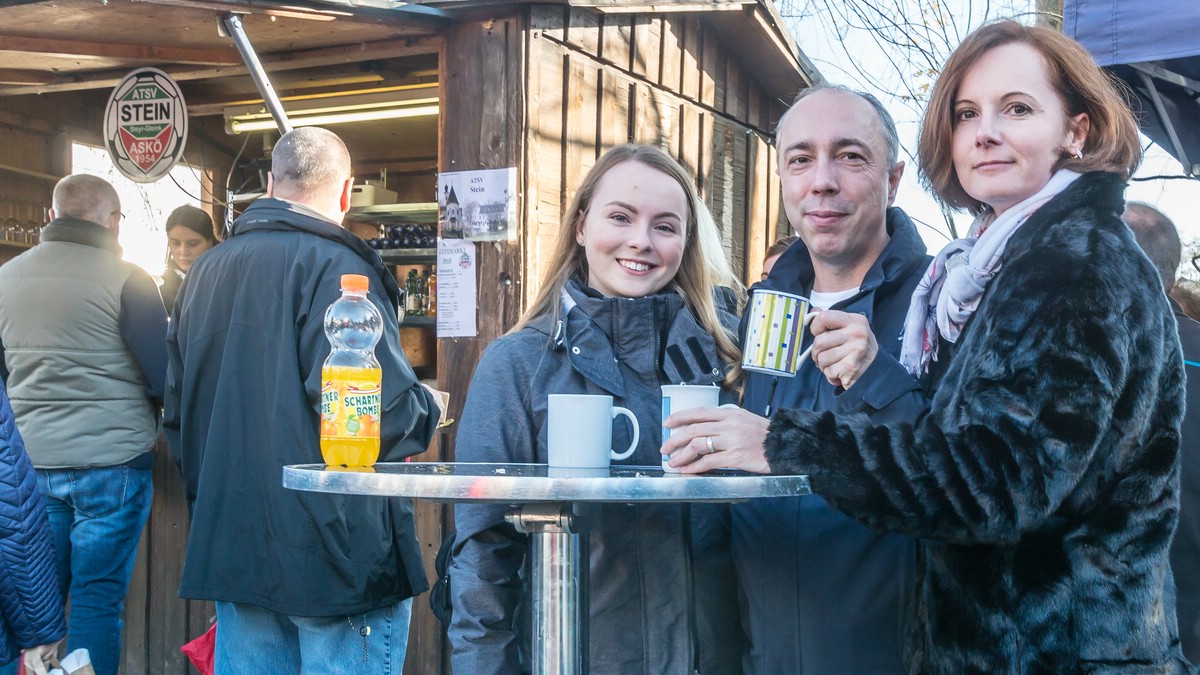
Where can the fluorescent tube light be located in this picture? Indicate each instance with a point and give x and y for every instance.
(235, 126)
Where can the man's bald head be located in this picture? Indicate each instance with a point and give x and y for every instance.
(311, 166)
(1157, 236)
(87, 197)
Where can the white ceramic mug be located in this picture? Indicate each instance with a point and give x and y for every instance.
(677, 397)
(774, 331)
(580, 431)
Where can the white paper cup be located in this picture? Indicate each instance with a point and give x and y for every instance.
(678, 397)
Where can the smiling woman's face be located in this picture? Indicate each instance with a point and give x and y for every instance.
(634, 231)
(1010, 128)
(185, 246)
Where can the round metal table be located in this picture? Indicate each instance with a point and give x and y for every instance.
(546, 506)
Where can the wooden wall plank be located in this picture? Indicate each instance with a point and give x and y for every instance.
(691, 47)
(580, 128)
(616, 40)
(760, 230)
(738, 183)
(754, 111)
(692, 143)
(550, 21)
(544, 157)
(672, 120)
(482, 77)
(721, 180)
(712, 70)
(583, 30)
(613, 110)
(735, 90)
(672, 52)
(647, 46)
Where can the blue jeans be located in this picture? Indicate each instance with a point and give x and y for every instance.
(96, 517)
(252, 640)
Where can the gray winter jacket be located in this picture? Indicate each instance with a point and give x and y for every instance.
(659, 594)
(83, 335)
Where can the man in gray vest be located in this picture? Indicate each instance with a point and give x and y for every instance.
(83, 340)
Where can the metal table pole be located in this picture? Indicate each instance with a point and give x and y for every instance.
(560, 566)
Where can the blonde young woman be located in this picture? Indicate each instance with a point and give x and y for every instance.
(627, 305)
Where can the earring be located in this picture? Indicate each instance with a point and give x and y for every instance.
(1078, 153)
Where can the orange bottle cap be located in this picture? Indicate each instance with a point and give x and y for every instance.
(355, 282)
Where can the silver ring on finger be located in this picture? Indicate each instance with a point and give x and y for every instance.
(709, 443)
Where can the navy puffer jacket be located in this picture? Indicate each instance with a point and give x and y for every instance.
(31, 607)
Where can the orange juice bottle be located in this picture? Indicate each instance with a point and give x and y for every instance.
(351, 379)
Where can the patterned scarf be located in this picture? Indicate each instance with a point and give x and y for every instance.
(950, 291)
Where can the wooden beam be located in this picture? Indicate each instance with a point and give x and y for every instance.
(313, 58)
(17, 76)
(80, 49)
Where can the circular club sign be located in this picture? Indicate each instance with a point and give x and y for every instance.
(145, 125)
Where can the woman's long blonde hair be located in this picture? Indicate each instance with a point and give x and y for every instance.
(694, 280)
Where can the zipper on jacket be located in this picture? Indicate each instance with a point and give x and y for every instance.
(658, 331)
(771, 396)
(693, 630)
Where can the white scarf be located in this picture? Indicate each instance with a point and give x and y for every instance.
(951, 289)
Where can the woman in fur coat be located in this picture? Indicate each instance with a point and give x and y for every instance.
(1043, 475)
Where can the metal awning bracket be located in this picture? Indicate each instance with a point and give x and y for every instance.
(230, 25)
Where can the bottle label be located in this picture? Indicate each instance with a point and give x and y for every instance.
(351, 399)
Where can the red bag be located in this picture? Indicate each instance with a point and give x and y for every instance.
(200, 650)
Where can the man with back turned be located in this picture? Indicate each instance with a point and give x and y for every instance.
(84, 362)
(303, 581)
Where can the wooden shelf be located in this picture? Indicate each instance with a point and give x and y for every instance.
(4, 243)
(425, 213)
(421, 320)
(404, 256)
(26, 173)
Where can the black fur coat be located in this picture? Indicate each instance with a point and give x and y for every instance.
(1043, 479)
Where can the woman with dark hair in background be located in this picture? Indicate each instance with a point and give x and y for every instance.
(189, 233)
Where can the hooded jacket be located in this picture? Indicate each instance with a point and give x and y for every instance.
(825, 594)
(1043, 477)
(648, 562)
(246, 345)
(31, 607)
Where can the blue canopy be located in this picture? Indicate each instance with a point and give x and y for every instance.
(1154, 46)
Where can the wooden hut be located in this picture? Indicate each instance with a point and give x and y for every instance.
(542, 88)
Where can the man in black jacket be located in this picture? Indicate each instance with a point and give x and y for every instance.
(825, 594)
(1157, 236)
(303, 581)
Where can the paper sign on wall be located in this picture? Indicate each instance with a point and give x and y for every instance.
(478, 205)
(456, 292)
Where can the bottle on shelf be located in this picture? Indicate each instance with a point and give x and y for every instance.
(431, 291)
(351, 378)
(414, 295)
(425, 286)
